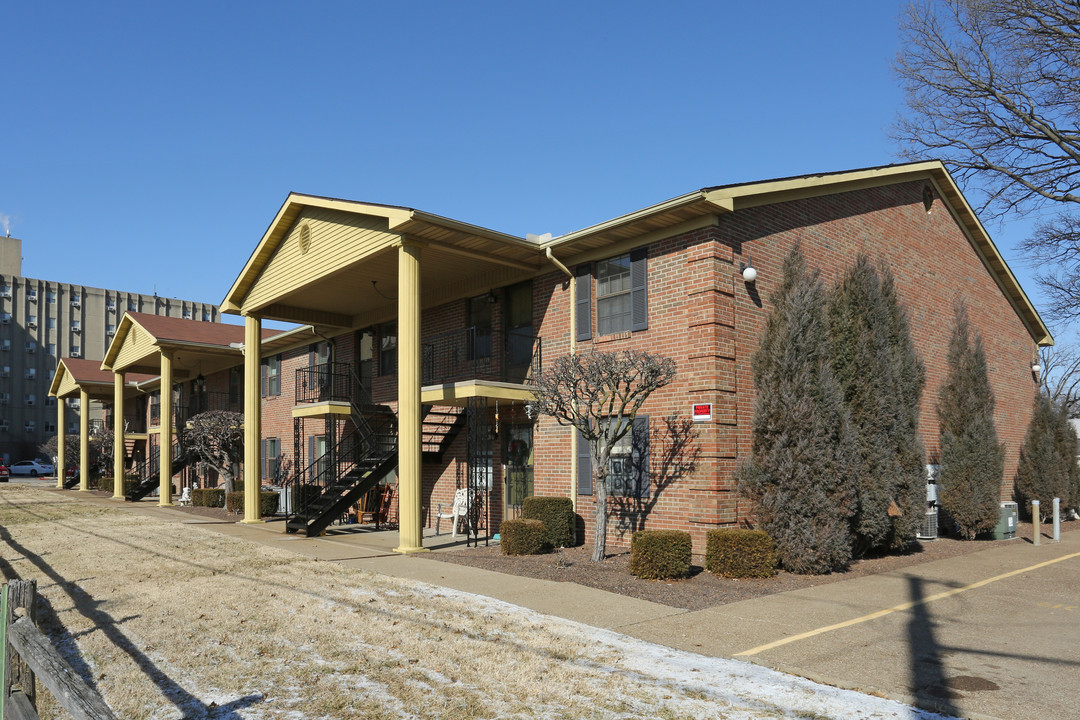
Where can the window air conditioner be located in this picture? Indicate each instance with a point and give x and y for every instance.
(75, 303)
(6, 294)
(5, 398)
(32, 325)
(30, 401)
(31, 347)
(76, 354)
(3, 426)
(30, 426)
(32, 297)
(76, 329)
(5, 320)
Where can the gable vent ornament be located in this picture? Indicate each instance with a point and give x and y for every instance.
(305, 239)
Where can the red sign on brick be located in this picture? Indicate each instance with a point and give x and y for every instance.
(701, 412)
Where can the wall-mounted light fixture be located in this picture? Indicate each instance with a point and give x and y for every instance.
(749, 273)
(1036, 367)
(200, 383)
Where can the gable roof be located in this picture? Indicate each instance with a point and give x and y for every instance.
(74, 373)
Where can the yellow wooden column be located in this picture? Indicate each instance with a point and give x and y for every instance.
(118, 435)
(61, 441)
(252, 418)
(84, 440)
(166, 427)
(410, 532)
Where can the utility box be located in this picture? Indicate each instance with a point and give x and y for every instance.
(1007, 519)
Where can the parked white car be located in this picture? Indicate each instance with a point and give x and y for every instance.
(33, 468)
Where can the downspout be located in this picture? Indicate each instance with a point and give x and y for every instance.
(573, 351)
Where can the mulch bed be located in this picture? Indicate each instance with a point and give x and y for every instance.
(703, 589)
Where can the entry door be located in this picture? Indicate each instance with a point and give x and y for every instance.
(519, 469)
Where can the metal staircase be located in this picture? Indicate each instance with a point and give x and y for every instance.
(439, 426)
(149, 472)
(364, 455)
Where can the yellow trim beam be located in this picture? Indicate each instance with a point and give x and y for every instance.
(252, 419)
(165, 439)
(308, 410)
(457, 393)
(410, 488)
(61, 442)
(118, 435)
(84, 440)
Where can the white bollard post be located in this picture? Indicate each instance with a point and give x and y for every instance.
(1057, 519)
(1035, 520)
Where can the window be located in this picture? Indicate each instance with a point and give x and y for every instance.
(51, 348)
(271, 462)
(5, 318)
(133, 306)
(50, 323)
(73, 428)
(50, 297)
(50, 427)
(50, 401)
(31, 373)
(480, 326)
(271, 376)
(31, 346)
(110, 329)
(234, 385)
(388, 348)
(5, 371)
(187, 313)
(76, 326)
(76, 351)
(628, 469)
(5, 345)
(30, 398)
(206, 316)
(31, 295)
(31, 320)
(622, 302)
(110, 304)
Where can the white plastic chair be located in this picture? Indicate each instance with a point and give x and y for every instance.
(460, 509)
(185, 497)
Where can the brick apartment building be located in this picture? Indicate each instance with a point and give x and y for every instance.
(429, 329)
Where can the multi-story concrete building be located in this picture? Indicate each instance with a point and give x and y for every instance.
(42, 321)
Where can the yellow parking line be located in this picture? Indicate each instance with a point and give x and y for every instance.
(899, 608)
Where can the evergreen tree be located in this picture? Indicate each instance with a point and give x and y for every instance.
(881, 378)
(972, 459)
(1047, 468)
(800, 473)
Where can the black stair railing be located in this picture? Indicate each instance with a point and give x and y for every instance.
(319, 487)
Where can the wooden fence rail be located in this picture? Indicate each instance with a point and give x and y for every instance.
(28, 653)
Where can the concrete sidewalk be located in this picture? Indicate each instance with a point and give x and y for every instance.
(876, 634)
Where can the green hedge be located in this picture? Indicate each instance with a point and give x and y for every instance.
(208, 497)
(106, 484)
(268, 503)
(737, 553)
(557, 514)
(660, 554)
(523, 536)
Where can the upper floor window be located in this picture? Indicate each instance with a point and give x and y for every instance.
(207, 316)
(133, 306)
(271, 376)
(50, 297)
(50, 323)
(387, 348)
(622, 302)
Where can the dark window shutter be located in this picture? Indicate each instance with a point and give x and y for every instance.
(583, 301)
(584, 465)
(311, 356)
(263, 372)
(639, 290)
(262, 463)
(640, 455)
(311, 450)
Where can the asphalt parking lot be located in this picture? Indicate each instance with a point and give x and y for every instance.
(993, 634)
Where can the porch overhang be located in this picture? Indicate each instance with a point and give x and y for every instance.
(74, 375)
(334, 263)
(458, 393)
(320, 409)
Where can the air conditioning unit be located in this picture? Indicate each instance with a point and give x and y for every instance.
(31, 347)
(5, 320)
(5, 371)
(5, 398)
(76, 329)
(3, 426)
(32, 297)
(30, 401)
(6, 294)
(76, 303)
(110, 333)
(30, 426)
(32, 325)
(76, 354)
(111, 308)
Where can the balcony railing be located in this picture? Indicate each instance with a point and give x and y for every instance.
(204, 401)
(325, 383)
(481, 354)
(135, 423)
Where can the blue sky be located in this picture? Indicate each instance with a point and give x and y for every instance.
(168, 134)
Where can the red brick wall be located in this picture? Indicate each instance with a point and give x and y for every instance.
(702, 314)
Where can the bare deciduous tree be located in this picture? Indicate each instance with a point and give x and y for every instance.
(1060, 377)
(992, 88)
(599, 394)
(216, 439)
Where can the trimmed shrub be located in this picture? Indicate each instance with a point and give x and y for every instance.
(523, 536)
(208, 497)
(1048, 467)
(738, 553)
(557, 514)
(972, 459)
(660, 554)
(802, 471)
(268, 502)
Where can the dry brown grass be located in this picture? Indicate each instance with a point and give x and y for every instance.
(173, 621)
